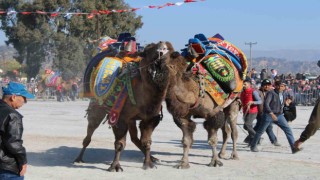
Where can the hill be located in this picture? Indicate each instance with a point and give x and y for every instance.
(290, 55)
(6, 52)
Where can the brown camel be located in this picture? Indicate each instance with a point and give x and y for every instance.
(42, 84)
(150, 90)
(183, 101)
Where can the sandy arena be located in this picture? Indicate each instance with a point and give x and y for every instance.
(53, 134)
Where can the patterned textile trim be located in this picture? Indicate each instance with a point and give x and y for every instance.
(118, 99)
(236, 51)
(219, 68)
(215, 90)
(107, 71)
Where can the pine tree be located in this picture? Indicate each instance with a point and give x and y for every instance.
(40, 38)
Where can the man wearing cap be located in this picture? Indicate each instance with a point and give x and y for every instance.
(13, 160)
(273, 112)
(265, 87)
(313, 125)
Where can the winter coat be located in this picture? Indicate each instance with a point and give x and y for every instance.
(12, 153)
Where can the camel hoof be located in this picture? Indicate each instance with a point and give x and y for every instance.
(78, 161)
(234, 156)
(222, 156)
(147, 166)
(182, 166)
(155, 160)
(115, 168)
(215, 163)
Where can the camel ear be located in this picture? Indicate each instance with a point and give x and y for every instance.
(175, 54)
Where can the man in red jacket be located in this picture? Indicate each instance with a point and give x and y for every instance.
(250, 100)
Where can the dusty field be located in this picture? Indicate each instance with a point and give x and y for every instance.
(54, 132)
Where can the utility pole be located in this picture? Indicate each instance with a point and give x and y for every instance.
(250, 44)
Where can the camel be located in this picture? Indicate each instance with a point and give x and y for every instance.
(42, 84)
(150, 90)
(183, 102)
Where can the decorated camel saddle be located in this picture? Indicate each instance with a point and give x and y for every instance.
(110, 75)
(220, 65)
(51, 78)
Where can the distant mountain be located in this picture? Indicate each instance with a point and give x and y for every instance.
(7, 52)
(290, 55)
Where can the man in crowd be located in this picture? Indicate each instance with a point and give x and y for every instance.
(250, 100)
(13, 160)
(273, 112)
(265, 87)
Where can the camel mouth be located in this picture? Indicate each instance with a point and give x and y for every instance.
(158, 70)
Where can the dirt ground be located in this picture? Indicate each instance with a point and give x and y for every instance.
(53, 134)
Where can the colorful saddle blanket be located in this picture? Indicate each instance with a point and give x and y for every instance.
(226, 65)
(51, 79)
(111, 83)
(109, 78)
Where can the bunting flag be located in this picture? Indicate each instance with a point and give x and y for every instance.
(92, 14)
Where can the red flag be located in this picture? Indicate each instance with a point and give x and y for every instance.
(170, 4)
(134, 9)
(90, 16)
(189, 1)
(104, 12)
(120, 11)
(54, 14)
(26, 13)
(41, 12)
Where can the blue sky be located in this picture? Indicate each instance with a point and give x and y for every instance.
(273, 24)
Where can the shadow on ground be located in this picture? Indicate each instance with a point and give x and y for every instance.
(64, 155)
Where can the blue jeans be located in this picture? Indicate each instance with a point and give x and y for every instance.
(281, 122)
(10, 175)
(269, 130)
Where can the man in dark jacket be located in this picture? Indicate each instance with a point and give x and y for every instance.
(313, 125)
(272, 108)
(13, 160)
(289, 110)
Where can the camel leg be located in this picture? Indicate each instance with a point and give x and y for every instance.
(95, 116)
(133, 131)
(120, 132)
(231, 113)
(212, 125)
(147, 128)
(226, 132)
(234, 137)
(187, 126)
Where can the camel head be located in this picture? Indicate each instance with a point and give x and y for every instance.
(153, 66)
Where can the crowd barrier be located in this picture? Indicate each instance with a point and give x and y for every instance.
(301, 98)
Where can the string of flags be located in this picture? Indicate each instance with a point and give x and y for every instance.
(92, 14)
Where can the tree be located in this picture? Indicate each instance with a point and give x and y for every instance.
(41, 38)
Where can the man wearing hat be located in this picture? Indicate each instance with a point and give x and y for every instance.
(266, 86)
(13, 159)
(273, 112)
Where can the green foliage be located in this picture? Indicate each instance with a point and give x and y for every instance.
(10, 65)
(64, 39)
